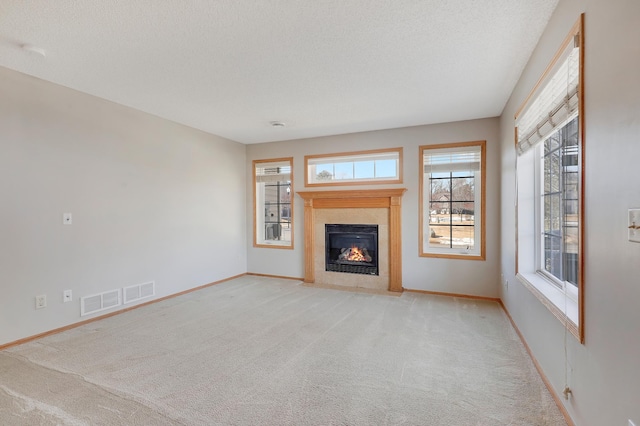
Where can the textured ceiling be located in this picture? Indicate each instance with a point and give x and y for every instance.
(230, 67)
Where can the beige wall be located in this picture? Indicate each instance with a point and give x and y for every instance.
(151, 200)
(442, 275)
(604, 373)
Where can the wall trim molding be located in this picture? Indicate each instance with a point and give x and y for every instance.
(464, 296)
(255, 274)
(546, 381)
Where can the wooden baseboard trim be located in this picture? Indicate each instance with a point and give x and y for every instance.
(274, 276)
(555, 396)
(465, 296)
(354, 289)
(111, 314)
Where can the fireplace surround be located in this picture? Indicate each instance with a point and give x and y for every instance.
(332, 206)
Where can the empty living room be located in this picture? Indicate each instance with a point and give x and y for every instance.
(320, 213)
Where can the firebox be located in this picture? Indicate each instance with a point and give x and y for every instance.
(351, 248)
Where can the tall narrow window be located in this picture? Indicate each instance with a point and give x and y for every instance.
(559, 203)
(452, 200)
(550, 186)
(273, 194)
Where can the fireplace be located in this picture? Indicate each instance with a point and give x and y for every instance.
(351, 248)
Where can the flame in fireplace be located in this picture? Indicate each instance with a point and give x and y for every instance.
(356, 255)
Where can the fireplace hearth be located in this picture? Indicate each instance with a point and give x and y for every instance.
(351, 248)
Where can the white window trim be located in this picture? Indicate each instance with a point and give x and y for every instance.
(477, 235)
(563, 287)
(559, 297)
(565, 307)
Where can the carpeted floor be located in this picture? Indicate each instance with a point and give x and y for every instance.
(263, 351)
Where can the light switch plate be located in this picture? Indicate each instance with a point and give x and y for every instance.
(634, 225)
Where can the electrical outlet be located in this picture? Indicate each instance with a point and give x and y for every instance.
(67, 296)
(41, 301)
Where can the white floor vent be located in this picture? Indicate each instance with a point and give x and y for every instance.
(99, 302)
(139, 291)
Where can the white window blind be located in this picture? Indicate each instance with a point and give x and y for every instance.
(273, 172)
(462, 159)
(552, 106)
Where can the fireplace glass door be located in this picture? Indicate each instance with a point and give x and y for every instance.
(351, 248)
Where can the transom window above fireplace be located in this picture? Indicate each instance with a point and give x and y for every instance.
(353, 168)
(273, 205)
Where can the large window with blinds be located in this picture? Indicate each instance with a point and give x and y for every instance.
(452, 200)
(550, 185)
(273, 205)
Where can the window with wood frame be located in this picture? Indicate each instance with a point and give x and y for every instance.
(354, 168)
(550, 185)
(273, 203)
(452, 200)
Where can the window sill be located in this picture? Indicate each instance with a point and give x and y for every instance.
(453, 255)
(288, 246)
(562, 307)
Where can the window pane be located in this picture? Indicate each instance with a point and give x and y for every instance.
(386, 168)
(271, 213)
(364, 169)
(552, 168)
(324, 172)
(462, 212)
(555, 214)
(462, 189)
(547, 214)
(552, 143)
(439, 236)
(553, 256)
(344, 171)
(440, 188)
(462, 237)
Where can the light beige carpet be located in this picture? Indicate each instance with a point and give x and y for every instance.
(262, 351)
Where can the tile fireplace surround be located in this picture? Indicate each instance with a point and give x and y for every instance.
(374, 206)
